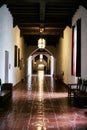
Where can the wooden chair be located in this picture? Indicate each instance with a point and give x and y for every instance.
(73, 89)
(80, 98)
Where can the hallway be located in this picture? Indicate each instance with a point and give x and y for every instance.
(41, 104)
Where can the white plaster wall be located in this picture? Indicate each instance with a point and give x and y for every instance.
(82, 14)
(67, 51)
(6, 41)
(64, 48)
(19, 41)
(64, 55)
(9, 37)
(59, 55)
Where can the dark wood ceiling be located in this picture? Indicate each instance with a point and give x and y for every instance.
(52, 15)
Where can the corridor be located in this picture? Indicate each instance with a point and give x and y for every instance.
(40, 103)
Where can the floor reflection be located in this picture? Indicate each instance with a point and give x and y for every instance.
(41, 104)
(29, 82)
(40, 85)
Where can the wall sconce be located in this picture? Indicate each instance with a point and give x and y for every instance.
(41, 30)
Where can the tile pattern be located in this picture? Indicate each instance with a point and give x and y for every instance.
(41, 104)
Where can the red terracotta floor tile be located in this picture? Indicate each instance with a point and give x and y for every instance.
(41, 105)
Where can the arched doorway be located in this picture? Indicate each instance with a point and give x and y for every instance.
(41, 59)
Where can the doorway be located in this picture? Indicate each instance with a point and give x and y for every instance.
(6, 66)
(43, 60)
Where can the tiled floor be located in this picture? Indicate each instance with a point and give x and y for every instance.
(41, 104)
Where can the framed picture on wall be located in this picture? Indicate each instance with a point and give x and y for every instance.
(76, 49)
(15, 55)
(18, 57)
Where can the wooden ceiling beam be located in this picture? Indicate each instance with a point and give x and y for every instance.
(36, 31)
(42, 11)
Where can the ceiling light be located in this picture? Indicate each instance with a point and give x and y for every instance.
(41, 43)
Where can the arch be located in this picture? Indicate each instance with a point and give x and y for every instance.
(33, 63)
(41, 50)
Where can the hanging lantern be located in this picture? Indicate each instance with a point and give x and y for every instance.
(41, 43)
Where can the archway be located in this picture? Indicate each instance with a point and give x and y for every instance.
(41, 58)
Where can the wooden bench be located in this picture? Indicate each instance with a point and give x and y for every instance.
(6, 92)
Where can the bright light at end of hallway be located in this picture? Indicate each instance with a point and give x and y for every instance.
(40, 67)
(41, 128)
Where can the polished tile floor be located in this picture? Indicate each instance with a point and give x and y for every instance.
(41, 104)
